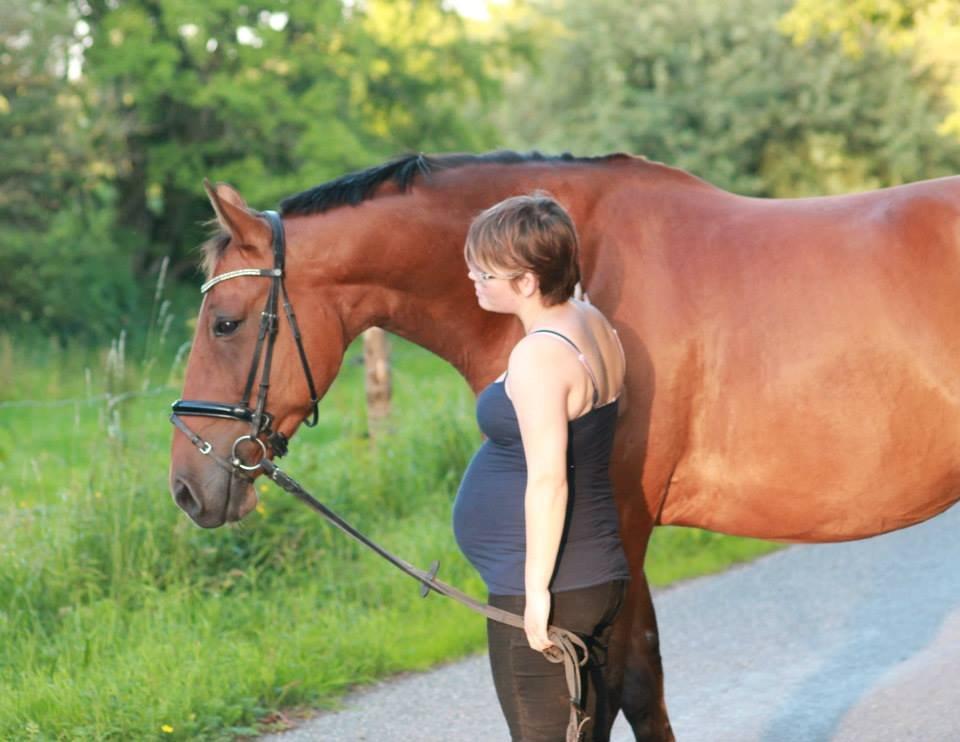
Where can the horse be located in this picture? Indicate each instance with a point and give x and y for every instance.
(793, 364)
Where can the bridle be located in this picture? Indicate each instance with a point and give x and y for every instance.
(261, 422)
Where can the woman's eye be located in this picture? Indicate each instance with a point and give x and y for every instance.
(224, 327)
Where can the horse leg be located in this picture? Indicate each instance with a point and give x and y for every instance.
(636, 672)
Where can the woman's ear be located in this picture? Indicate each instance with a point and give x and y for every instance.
(528, 284)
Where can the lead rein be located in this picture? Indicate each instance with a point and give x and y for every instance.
(566, 643)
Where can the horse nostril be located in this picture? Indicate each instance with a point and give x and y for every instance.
(185, 498)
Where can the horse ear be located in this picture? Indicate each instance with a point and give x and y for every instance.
(244, 226)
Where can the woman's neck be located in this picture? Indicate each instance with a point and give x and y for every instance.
(534, 315)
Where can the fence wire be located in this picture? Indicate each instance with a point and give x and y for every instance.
(110, 399)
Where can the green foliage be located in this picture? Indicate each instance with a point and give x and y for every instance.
(928, 31)
(60, 268)
(167, 92)
(857, 22)
(718, 90)
(117, 616)
(45, 139)
(100, 170)
(69, 277)
(271, 101)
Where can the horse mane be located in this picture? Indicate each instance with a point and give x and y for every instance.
(352, 189)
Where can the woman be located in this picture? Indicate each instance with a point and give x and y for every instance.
(535, 512)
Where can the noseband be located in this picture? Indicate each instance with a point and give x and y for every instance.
(261, 432)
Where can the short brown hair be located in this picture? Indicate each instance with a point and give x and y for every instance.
(528, 233)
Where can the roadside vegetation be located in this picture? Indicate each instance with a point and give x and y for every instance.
(119, 619)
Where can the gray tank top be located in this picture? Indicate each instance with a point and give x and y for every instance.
(488, 514)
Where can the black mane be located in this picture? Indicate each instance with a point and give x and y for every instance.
(355, 187)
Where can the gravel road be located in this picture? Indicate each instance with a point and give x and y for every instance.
(850, 642)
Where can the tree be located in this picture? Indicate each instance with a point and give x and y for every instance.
(928, 30)
(113, 111)
(43, 150)
(271, 100)
(718, 90)
(58, 264)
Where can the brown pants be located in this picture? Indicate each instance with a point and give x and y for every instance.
(532, 690)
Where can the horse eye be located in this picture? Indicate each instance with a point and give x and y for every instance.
(223, 327)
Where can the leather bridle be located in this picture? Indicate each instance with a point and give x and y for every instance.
(261, 422)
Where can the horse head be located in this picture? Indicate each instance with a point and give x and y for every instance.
(249, 380)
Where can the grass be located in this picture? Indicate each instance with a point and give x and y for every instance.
(120, 620)
(681, 553)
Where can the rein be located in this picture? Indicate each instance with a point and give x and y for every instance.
(566, 643)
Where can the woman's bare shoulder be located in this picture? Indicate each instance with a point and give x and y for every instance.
(539, 367)
(595, 319)
(538, 350)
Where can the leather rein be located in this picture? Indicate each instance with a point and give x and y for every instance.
(568, 647)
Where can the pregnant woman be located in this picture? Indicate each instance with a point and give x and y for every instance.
(535, 511)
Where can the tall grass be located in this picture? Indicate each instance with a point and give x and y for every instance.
(121, 620)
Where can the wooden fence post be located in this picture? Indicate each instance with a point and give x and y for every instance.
(376, 360)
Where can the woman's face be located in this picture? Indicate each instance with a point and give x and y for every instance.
(494, 290)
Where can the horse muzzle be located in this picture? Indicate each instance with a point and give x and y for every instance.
(224, 497)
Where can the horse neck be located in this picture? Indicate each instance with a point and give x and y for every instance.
(458, 331)
(397, 260)
(446, 322)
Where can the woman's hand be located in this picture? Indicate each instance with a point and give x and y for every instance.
(536, 616)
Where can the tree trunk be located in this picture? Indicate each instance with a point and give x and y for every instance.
(376, 358)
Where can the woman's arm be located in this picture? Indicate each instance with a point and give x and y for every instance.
(540, 383)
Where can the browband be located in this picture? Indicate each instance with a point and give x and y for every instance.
(264, 272)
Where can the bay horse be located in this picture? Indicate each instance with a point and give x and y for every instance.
(793, 365)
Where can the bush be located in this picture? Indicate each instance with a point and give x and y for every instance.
(71, 279)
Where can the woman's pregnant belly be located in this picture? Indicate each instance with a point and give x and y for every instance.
(488, 520)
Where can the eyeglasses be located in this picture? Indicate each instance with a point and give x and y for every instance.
(482, 277)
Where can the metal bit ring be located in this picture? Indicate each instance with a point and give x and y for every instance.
(235, 459)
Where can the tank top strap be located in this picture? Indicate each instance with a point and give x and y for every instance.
(623, 356)
(581, 357)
